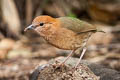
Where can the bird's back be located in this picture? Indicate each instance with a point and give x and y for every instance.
(76, 25)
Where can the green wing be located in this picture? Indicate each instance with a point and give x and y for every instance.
(76, 25)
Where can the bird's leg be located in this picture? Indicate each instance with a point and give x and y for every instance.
(82, 54)
(67, 57)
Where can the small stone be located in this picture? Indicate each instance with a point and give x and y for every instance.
(19, 53)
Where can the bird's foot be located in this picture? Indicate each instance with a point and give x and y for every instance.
(58, 64)
(75, 67)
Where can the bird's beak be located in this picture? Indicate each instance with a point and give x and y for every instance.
(29, 28)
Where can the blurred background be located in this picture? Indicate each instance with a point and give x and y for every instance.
(21, 52)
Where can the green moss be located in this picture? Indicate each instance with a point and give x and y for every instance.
(72, 15)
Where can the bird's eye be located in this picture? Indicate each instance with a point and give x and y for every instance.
(41, 24)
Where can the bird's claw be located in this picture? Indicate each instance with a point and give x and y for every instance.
(57, 64)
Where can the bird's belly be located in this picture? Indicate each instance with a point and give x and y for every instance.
(69, 41)
(66, 43)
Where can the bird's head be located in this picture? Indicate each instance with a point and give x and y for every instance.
(42, 23)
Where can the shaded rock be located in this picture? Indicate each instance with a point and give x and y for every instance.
(67, 72)
(52, 71)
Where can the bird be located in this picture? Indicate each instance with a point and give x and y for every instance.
(67, 33)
